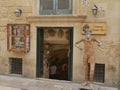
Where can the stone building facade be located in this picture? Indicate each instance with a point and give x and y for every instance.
(108, 56)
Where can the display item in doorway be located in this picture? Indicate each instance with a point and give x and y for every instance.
(60, 33)
(51, 32)
(67, 34)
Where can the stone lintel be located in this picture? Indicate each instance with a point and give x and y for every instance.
(56, 18)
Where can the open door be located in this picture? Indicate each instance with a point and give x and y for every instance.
(70, 55)
(61, 53)
(40, 51)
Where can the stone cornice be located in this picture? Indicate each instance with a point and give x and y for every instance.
(56, 18)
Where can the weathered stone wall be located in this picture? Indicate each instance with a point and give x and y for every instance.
(7, 16)
(108, 54)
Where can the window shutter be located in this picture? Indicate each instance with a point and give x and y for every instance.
(64, 7)
(63, 4)
(47, 7)
(50, 7)
(47, 4)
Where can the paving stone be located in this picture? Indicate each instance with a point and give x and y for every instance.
(8, 88)
(18, 83)
(96, 87)
(107, 88)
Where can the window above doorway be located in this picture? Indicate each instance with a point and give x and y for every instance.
(55, 7)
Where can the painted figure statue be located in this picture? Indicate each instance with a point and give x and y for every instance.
(88, 57)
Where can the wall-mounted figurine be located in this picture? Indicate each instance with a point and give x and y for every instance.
(84, 2)
(88, 57)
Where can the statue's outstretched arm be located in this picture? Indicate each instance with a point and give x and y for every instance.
(99, 43)
(79, 41)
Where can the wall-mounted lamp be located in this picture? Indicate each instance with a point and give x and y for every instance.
(18, 12)
(94, 10)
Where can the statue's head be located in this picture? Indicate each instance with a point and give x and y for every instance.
(86, 28)
(87, 31)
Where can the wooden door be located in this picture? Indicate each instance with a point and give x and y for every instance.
(40, 51)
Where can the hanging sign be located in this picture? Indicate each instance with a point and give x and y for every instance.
(96, 27)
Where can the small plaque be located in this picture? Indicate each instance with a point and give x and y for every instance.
(96, 27)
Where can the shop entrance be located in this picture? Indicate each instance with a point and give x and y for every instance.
(54, 53)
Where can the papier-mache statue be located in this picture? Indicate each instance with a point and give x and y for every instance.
(88, 57)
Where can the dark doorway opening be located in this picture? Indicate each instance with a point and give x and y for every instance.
(54, 52)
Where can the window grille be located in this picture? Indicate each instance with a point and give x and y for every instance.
(15, 65)
(99, 72)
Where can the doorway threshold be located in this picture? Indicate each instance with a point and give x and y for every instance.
(54, 80)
